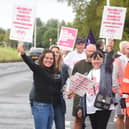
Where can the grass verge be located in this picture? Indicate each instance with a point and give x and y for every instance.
(9, 55)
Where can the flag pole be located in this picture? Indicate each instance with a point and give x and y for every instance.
(58, 29)
(108, 4)
(35, 34)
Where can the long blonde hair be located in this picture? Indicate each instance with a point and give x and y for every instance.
(58, 62)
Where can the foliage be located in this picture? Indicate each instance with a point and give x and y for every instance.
(45, 32)
(9, 54)
(50, 37)
(89, 14)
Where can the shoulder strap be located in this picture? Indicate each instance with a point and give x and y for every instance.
(105, 82)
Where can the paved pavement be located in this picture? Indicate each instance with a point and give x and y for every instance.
(14, 67)
(15, 112)
(69, 118)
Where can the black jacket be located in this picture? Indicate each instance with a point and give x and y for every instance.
(47, 87)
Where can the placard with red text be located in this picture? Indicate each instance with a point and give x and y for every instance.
(81, 84)
(23, 21)
(112, 22)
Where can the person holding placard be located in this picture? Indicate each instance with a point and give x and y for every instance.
(76, 55)
(83, 67)
(46, 82)
(96, 115)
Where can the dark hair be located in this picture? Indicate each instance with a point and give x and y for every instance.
(80, 40)
(99, 43)
(40, 61)
(97, 54)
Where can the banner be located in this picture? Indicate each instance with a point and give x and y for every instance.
(112, 22)
(67, 38)
(23, 21)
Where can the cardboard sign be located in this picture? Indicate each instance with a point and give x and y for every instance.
(67, 38)
(112, 22)
(23, 21)
(80, 84)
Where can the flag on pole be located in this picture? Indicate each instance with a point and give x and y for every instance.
(90, 39)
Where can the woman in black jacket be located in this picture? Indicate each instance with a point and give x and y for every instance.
(47, 84)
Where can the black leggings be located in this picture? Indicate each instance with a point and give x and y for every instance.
(100, 119)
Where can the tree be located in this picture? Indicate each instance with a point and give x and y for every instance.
(2, 36)
(40, 30)
(50, 37)
(52, 23)
(88, 15)
(45, 32)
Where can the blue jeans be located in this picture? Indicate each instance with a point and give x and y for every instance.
(59, 114)
(43, 115)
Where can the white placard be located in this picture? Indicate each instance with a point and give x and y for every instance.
(80, 84)
(23, 20)
(112, 22)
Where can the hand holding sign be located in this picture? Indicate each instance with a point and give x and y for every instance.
(80, 84)
(20, 48)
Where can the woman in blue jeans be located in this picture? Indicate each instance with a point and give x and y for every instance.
(47, 82)
(60, 108)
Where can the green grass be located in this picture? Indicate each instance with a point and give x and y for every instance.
(9, 55)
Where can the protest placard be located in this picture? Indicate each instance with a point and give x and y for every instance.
(112, 22)
(23, 21)
(80, 84)
(67, 38)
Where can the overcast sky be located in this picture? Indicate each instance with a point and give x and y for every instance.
(46, 9)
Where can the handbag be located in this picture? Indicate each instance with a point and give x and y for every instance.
(104, 97)
(103, 102)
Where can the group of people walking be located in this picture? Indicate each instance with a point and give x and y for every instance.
(52, 70)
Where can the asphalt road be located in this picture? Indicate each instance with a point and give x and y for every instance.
(15, 112)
